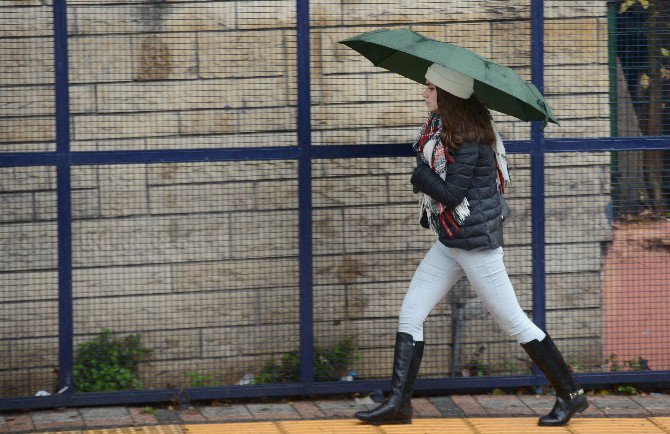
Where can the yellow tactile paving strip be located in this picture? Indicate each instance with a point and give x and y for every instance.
(493, 425)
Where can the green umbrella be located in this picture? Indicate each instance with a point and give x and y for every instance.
(410, 54)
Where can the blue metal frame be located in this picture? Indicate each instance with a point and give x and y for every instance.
(63, 159)
(63, 192)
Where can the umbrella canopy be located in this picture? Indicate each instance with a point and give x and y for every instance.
(410, 54)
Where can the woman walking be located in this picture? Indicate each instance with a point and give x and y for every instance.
(461, 171)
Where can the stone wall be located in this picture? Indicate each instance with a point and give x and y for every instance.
(201, 259)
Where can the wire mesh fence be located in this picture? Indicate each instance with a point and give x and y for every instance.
(190, 214)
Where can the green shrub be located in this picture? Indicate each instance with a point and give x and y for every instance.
(196, 379)
(329, 364)
(108, 363)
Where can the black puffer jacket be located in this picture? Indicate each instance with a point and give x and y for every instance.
(473, 175)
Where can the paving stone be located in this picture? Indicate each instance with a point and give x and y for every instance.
(191, 414)
(273, 411)
(446, 406)
(340, 408)
(105, 416)
(166, 416)
(617, 406)
(53, 419)
(16, 422)
(424, 408)
(507, 405)
(140, 417)
(468, 405)
(308, 410)
(229, 412)
(656, 404)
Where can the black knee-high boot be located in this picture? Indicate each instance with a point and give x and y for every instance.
(570, 398)
(397, 408)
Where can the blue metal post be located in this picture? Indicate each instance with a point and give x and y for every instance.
(65, 311)
(537, 170)
(305, 197)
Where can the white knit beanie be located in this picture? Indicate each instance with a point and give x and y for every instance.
(451, 81)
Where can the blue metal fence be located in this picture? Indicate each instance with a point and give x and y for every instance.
(63, 159)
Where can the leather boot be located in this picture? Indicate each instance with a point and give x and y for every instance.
(413, 373)
(396, 408)
(570, 398)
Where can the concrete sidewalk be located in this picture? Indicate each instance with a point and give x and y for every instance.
(639, 413)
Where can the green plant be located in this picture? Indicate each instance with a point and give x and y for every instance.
(108, 363)
(329, 364)
(626, 390)
(148, 410)
(197, 379)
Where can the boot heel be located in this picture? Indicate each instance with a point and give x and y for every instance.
(583, 407)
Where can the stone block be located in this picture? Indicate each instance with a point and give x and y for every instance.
(123, 190)
(573, 183)
(328, 231)
(218, 172)
(339, 137)
(269, 339)
(26, 21)
(121, 281)
(85, 204)
(588, 78)
(172, 344)
(475, 36)
(29, 353)
(278, 228)
(218, 96)
(245, 54)
(580, 106)
(279, 305)
(330, 303)
(206, 122)
(573, 290)
(355, 190)
(579, 128)
(17, 207)
(374, 115)
(368, 12)
(114, 65)
(221, 141)
(366, 267)
(23, 101)
(510, 43)
(33, 129)
(82, 99)
(235, 274)
(573, 258)
(587, 8)
(575, 323)
(28, 246)
(163, 311)
(593, 159)
(389, 227)
(164, 57)
(28, 285)
(373, 300)
(142, 17)
(148, 240)
(28, 319)
(120, 126)
(267, 119)
(267, 15)
(26, 61)
(561, 36)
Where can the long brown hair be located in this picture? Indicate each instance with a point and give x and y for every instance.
(463, 120)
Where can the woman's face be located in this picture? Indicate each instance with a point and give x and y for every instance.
(430, 96)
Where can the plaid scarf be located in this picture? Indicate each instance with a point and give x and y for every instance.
(449, 219)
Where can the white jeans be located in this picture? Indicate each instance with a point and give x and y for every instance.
(441, 269)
